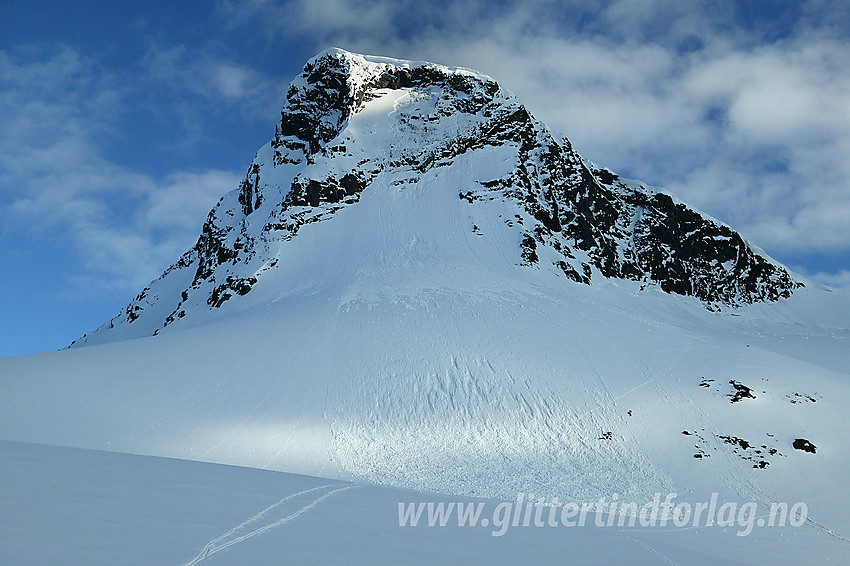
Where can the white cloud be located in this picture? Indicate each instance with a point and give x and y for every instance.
(839, 280)
(124, 226)
(214, 78)
(183, 198)
(274, 18)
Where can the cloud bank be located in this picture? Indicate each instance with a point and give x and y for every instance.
(58, 111)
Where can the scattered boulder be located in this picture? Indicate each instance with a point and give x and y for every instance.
(741, 391)
(804, 445)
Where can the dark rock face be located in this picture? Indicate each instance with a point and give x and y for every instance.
(310, 192)
(686, 254)
(323, 97)
(212, 249)
(249, 194)
(223, 291)
(316, 108)
(628, 232)
(529, 250)
(593, 223)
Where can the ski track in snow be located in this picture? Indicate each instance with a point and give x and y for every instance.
(241, 423)
(293, 430)
(221, 543)
(651, 550)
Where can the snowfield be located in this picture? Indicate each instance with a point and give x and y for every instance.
(473, 406)
(73, 506)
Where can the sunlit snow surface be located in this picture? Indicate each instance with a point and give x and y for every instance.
(72, 506)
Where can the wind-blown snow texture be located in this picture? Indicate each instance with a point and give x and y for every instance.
(419, 285)
(353, 123)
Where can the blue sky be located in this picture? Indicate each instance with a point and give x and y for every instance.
(122, 123)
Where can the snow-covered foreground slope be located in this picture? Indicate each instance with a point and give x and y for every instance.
(72, 506)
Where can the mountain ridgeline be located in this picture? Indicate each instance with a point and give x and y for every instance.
(571, 218)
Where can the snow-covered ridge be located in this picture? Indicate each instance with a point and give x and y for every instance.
(336, 84)
(355, 125)
(365, 68)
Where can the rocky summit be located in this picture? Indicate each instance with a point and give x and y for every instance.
(354, 124)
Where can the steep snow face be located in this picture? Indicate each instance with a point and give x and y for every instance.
(449, 151)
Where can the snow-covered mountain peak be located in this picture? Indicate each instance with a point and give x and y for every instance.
(364, 69)
(425, 171)
(336, 84)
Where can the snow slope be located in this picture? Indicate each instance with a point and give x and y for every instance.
(72, 506)
(486, 390)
